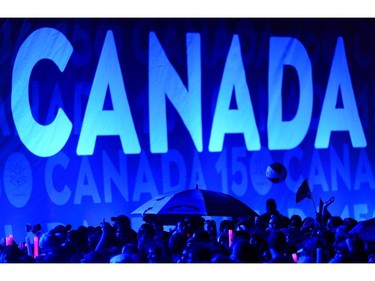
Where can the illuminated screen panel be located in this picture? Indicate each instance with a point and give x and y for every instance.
(100, 115)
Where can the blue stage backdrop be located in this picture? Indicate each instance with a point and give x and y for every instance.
(98, 116)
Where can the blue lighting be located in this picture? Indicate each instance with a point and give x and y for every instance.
(98, 116)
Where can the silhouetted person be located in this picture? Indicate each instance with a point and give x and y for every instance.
(10, 254)
(182, 228)
(259, 242)
(146, 234)
(200, 235)
(244, 252)
(295, 222)
(156, 252)
(277, 247)
(198, 253)
(271, 210)
(357, 249)
(210, 227)
(176, 244)
(333, 222)
(124, 233)
(224, 227)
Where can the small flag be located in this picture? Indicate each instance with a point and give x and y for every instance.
(303, 191)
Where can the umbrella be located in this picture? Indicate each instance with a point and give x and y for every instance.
(196, 201)
(365, 230)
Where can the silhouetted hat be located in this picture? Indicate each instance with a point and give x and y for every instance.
(61, 229)
(121, 219)
(36, 228)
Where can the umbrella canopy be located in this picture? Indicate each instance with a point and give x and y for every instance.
(365, 230)
(196, 201)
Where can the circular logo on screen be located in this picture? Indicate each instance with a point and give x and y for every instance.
(17, 179)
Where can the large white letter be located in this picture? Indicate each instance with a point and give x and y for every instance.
(42, 140)
(116, 122)
(164, 81)
(288, 134)
(234, 121)
(339, 119)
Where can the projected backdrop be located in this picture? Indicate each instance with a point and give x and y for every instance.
(98, 116)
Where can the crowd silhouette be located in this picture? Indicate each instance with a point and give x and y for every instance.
(268, 238)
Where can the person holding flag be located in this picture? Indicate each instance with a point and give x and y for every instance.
(304, 192)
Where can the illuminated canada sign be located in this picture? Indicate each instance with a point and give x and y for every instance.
(100, 115)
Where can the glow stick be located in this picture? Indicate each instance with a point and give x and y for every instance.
(7, 241)
(36, 246)
(230, 236)
(295, 257)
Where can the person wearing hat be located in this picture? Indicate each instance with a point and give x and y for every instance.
(61, 232)
(123, 232)
(115, 236)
